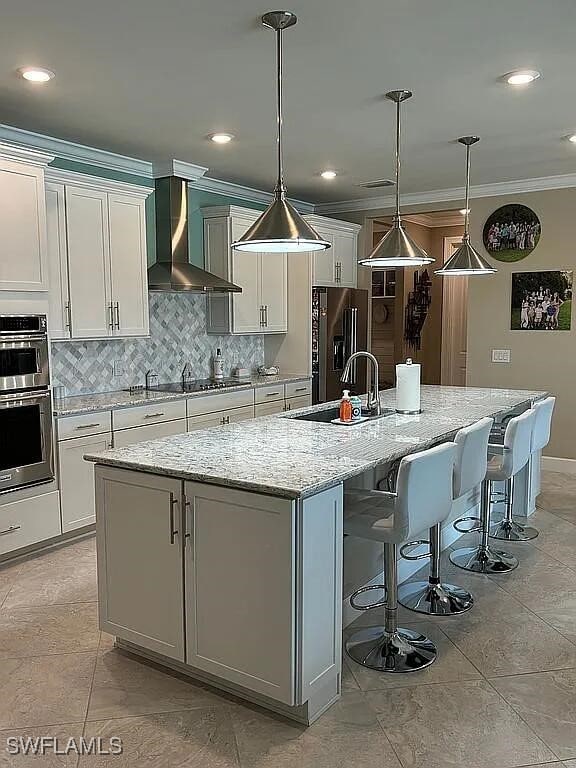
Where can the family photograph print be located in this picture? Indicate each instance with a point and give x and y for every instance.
(541, 301)
(511, 232)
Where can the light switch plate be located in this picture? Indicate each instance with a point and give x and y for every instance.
(500, 355)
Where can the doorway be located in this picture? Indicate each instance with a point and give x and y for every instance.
(454, 323)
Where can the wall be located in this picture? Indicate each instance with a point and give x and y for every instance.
(177, 336)
(539, 359)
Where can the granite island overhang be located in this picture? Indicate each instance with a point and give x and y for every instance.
(220, 551)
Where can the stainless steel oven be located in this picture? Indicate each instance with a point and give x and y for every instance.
(25, 403)
(23, 352)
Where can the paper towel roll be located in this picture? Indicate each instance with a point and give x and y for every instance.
(408, 387)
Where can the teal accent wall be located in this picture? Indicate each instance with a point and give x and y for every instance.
(197, 199)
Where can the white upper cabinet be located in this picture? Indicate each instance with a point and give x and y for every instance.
(97, 257)
(23, 266)
(262, 307)
(336, 266)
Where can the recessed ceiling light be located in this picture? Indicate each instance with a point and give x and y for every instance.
(522, 77)
(328, 175)
(36, 74)
(221, 138)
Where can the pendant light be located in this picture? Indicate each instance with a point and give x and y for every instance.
(397, 248)
(280, 228)
(466, 260)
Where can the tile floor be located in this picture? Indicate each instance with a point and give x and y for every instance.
(502, 693)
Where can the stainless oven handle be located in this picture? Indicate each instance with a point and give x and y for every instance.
(12, 529)
(16, 398)
(7, 340)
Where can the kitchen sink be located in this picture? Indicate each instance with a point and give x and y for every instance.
(326, 415)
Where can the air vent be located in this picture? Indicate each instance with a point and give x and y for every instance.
(376, 183)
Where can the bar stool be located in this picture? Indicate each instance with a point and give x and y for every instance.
(504, 461)
(509, 529)
(434, 596)
(423, 493)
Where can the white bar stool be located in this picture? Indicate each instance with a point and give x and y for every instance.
(423, 493)
(504, 462)
(509, 529)
(435, 597)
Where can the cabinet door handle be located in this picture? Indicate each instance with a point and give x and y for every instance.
(271, 394)
(153, 415)
(88, 426)
(266, 315)
(262, 321)
(173, 530)
(301, 389)
(11, 529)
(111, 311)
(68, 319)
(117, 315)
(188, 524)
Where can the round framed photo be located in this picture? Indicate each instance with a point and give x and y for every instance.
(511, 232)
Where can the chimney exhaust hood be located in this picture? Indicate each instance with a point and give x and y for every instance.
(172, 270)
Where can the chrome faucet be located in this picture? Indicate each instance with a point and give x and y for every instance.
(373, 394)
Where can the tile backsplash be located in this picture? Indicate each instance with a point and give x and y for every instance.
(177, 336)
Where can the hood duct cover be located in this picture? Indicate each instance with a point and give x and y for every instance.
(172, 270)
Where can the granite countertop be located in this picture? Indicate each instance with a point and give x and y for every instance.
(106, 401)
(291, 458)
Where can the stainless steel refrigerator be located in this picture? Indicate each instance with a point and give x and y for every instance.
(339, 328)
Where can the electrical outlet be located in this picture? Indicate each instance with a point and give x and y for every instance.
(500, 355)
(118, 368)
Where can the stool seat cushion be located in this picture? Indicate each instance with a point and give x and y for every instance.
(369, 515)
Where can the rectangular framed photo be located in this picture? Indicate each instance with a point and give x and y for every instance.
(541, 301)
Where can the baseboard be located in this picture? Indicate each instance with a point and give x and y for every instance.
(557, 464)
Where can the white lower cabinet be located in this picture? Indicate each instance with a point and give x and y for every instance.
(269, 409)
(219, 418)
(139, 543)
(76, 478)
(124, 437)
(240, 580)
(293, 403)
(29, 520)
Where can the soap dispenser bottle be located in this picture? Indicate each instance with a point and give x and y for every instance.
(346, 406)
(218, 366)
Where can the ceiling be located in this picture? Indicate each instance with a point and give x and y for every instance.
(151, 80)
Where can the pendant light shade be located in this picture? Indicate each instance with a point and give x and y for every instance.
(280, 228)
(466, 260)
(397, 248)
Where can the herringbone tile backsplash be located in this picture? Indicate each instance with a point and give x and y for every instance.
(177, 336)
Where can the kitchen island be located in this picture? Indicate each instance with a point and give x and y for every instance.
(220, 551)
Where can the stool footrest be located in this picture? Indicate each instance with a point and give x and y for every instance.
(361, 591)
(473, 529)
(417, 543)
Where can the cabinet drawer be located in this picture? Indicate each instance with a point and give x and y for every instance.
(123, 437)
(219, 418)
(271, 392)
(84, 424)
(221, 402)
(293, 403)
(28, 521)
(269, 409)
(141, 415)
(298, 388)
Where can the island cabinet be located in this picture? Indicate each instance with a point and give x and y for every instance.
(262, 307)
(244, 589)
(97, 257)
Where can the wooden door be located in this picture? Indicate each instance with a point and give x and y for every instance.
(58, 295)
(77, 479)
(273, 274)
(139, 543)
(345, 255)
(89, 262)
(129, 264)
(246, 306)
(324, 270)
(454, 322)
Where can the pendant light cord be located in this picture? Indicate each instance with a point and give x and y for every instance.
(280, 185)
(398, 161)
(467, 199)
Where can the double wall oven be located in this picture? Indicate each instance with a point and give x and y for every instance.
(26, 453)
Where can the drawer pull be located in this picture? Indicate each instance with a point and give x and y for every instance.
(301, 389)
(272, 394)
(12, 529)
(5, 478)
(88, 426)
(153, 415)
(173, 529)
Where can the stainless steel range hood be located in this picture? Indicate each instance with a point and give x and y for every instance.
(172, 270)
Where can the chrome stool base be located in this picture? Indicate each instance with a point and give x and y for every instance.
(402, 650)
(483, 560)
(510, 530)
(435, 599)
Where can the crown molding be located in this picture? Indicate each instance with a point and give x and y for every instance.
(326, 221)
(442, 219)
(77, 152)
(74, 179)
(24, 154)
(229, 189)
(179, 168)
(521, 186)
